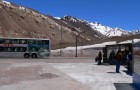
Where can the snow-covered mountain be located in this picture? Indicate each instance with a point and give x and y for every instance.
(95, 26)
(135, 32)
(104, 30)
(108, 31)
(22, 22)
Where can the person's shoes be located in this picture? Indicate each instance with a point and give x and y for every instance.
(98, 64)
(117, 72)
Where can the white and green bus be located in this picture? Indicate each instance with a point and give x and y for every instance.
(24, 47)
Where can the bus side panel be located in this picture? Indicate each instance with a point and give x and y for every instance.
(41, 50)
(11, 54)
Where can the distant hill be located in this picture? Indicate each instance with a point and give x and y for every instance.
(23, 22)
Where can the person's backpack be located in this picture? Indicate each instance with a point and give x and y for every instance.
(96, 59)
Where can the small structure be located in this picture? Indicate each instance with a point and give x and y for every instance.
(134, 48)
(111, 50)
(136, 64)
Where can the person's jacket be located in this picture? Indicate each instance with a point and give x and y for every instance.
(119, 56)
(129, 57)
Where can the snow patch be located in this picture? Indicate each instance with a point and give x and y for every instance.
(130, 41)
(57, 18)
(71, 50)
(22, 8)
(8, 3)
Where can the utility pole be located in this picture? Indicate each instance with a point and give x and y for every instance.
(77, 42)
(76, 46)
(61, 41)
(81, 46)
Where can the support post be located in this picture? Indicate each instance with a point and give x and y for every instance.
(61, 41)
(76, 45)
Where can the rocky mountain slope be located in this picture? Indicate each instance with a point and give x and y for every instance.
(95, 26)
(105, 33)
(18, 21)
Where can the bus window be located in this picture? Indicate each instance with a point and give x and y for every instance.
(23, 49)
(15, 41)
(8, 49)
(23, 41)
(16, 49)
(8, 41)
(31, 41)
(44, 42)
(33, 48)
(1, 41)
(38, 42)
(1, 49)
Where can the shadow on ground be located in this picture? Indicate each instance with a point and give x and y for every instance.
(125, 86)
(128, 72)
(112, 72)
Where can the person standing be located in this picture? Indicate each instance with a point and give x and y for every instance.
(118, 61)
(129, 62)
(99, 58)
(112, 57)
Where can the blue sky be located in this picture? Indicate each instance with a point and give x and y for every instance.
(124, 14)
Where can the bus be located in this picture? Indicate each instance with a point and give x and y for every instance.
(24, 47)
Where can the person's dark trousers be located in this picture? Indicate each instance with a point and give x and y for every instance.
(118, 63)
(99, 62)
(128, 66)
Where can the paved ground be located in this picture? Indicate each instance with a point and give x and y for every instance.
(59, 74)
(96, 77)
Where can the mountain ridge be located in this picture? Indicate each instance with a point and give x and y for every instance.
(23, 22)
(103, 29)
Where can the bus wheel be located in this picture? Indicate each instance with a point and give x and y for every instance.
(34, 55)
(26, 55)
